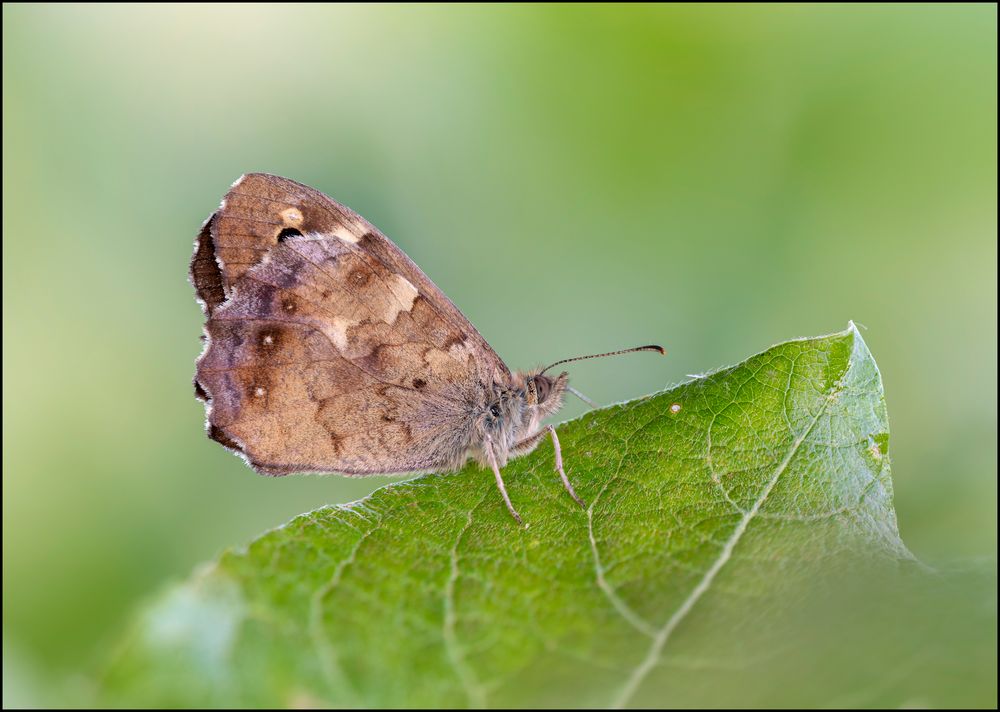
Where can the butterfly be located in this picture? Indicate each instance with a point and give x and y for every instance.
(328, 350)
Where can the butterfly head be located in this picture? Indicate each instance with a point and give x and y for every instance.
(515, 408)
(533, 398)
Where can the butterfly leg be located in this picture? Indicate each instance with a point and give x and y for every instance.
(559, 466)
(530, 442)
(500, 485)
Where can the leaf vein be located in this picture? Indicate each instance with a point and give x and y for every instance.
(655, 651)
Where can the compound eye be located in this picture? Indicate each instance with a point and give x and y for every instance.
(495, 410)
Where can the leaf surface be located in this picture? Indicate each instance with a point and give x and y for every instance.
(720, 515)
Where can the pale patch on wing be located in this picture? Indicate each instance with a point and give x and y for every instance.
(292, 216)
(459, 350)
(344, 234)
(405, 294)
(340, 233)
(336, 330)
(440, 361)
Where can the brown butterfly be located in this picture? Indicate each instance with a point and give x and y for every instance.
(328, 350)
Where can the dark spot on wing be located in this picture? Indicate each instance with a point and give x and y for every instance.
(268, 341)
(359, 277)
(218, 435)
(419, 383)
(205, 272)
(375, 360)
(257, 385)
(454, 339)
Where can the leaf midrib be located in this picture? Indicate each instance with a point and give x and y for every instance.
(662, 636)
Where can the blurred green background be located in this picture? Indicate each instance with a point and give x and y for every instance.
(577, 179)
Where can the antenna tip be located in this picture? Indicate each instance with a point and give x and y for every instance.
(654, 347)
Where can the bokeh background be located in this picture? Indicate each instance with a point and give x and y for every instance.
(577, 179)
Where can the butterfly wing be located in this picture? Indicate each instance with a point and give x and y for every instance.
(328, 349)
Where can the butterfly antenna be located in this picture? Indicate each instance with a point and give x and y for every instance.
(582, 397)
(609, 353)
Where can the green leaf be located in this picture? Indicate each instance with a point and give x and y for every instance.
(724, 517)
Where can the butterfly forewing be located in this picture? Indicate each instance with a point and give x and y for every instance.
(328, 349)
